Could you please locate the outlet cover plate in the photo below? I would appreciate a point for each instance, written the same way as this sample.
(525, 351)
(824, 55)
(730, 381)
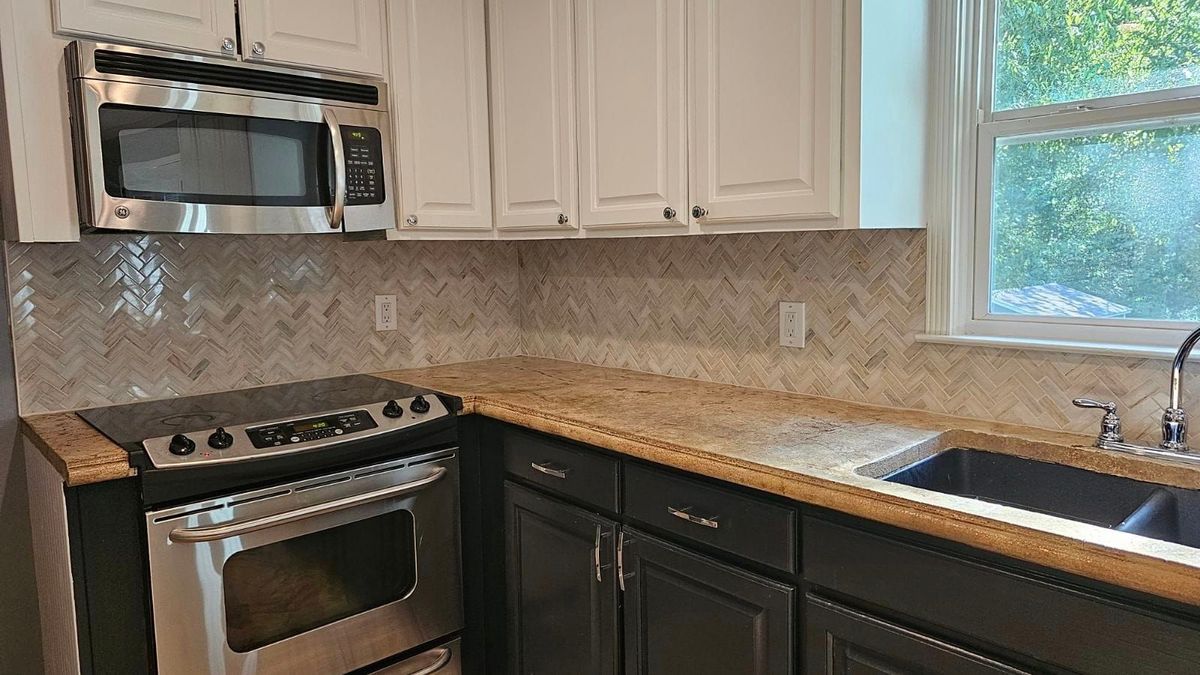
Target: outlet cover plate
(791, 324)
(385, 312)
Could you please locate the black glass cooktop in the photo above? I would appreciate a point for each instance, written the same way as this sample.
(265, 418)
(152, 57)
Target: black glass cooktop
(129, 425)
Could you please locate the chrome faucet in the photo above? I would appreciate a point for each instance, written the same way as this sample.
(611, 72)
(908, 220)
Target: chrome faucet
(1174, 444)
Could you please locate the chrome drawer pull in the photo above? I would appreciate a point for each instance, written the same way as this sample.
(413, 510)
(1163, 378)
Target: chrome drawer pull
(551, 469)
(683, 514)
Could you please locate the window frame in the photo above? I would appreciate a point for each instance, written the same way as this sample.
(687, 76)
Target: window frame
(960, 236)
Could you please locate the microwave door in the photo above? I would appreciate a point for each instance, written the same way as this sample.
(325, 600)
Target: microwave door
(173, 160)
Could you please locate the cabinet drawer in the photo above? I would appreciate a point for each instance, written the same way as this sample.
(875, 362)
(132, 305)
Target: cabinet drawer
(754, 529)
(1058, 624)
(562, 467)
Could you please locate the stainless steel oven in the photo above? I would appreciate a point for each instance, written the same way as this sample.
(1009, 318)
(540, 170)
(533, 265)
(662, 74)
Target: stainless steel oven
(168, 142)
(323, 575)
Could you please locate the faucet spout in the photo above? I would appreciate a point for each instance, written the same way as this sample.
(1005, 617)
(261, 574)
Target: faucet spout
(1174, 420)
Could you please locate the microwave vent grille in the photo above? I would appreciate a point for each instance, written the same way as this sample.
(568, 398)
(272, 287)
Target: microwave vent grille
(175, 70)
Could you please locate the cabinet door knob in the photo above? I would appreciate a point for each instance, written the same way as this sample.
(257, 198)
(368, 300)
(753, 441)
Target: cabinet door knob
(699, 211)
(258, 48)
(563, 219)
(669, 213)
(228, 45)
(411, 220)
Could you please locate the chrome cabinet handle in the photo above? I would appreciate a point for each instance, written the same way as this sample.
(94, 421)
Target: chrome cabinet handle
(337, 212)
(411, 220)
(228, 45)
(621, 560)
(596, 555)
(699, 211)
(669, 213)
(551, 469)
(258, 48)
(191, 535)
(563, 219)
(683, 514)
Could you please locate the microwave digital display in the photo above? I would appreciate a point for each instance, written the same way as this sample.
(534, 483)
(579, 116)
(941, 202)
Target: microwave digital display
(364, 165)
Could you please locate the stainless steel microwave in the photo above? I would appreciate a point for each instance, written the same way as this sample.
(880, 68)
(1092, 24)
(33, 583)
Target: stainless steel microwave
(169, 142)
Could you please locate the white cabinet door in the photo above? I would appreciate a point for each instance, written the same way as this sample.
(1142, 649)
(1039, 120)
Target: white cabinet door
(632, 120)
(766, 109)
(533, 114)
(345, 35)
(439, 89)
(192, 25)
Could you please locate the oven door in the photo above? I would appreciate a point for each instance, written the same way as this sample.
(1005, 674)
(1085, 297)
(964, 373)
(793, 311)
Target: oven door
(323, 575)
(162, 159)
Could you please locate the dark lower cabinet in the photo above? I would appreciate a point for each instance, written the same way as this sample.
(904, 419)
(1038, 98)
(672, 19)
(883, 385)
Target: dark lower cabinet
(685, 613)
(561, 587)
(842, 641)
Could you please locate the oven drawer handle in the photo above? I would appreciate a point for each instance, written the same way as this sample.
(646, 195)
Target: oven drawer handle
(192, 535)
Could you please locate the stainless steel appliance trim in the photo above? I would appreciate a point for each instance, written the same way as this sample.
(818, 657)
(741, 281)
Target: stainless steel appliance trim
(187, 588)
(81, 63)
(337, 212)
(683, 514)
(191, 217)
(236, 528)
(444, 659)
(242, 448)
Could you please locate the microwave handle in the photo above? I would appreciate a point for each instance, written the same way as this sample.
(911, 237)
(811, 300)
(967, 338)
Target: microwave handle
(338, 211)
(236, 528)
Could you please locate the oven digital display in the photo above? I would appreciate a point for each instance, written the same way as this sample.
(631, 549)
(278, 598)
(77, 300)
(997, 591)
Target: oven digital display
(309, 426)
(311, 429)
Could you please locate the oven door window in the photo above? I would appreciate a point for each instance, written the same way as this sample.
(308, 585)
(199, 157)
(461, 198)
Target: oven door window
(205, 158)
(286, 588)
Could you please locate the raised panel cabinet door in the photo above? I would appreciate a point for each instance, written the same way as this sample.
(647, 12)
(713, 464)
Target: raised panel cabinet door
(533, 114)
(346, 35)
(844, 641)
(561, 587)
(207, 26)
(685, 613)
(766, 109)
(632, 93)
(439, 86)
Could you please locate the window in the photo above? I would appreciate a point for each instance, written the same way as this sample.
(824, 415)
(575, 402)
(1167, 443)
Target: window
(1086, 191)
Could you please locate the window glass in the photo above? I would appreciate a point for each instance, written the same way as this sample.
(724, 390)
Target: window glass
(1057, 51)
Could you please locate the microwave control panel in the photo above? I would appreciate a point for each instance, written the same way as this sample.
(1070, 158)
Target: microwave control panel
(364, 165)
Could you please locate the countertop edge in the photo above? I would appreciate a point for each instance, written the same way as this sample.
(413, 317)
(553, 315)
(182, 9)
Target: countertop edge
(93, 458)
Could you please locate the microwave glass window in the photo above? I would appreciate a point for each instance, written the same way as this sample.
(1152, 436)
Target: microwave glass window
(182, 156)
(286, 588)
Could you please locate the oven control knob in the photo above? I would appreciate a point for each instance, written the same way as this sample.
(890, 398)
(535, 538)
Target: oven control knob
(393, 409)
(181, 445)
(419, 405)
(220, 439)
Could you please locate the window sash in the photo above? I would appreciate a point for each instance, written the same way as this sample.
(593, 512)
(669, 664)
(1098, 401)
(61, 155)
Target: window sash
(1168, 107)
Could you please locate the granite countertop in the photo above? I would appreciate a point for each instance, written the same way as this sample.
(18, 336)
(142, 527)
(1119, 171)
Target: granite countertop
(816, 450)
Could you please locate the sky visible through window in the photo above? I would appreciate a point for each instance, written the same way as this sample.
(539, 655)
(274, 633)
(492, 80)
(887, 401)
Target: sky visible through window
(1097, 223)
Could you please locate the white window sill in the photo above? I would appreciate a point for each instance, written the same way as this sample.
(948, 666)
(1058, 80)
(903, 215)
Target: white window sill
(1063, 346)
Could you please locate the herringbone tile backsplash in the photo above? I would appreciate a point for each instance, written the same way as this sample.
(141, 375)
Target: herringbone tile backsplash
(118, 318)
(707, 308)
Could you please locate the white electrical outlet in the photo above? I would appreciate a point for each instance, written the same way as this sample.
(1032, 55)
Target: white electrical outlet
(791, 324)
(385, 312)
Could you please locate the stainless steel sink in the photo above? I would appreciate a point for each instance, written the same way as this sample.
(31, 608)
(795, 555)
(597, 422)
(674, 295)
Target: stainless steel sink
(1151, 510)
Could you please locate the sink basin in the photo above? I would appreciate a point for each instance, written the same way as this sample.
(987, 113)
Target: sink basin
(1151, 510)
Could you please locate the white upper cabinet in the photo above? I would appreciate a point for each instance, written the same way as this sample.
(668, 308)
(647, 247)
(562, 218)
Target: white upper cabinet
(632, 81)
(439, 93)
(765, 103)
(533, 114)
(207, 26)
(346, 35)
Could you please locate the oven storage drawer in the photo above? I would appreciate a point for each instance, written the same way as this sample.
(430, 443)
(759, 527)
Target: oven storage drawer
(562, 467)
(755, 529)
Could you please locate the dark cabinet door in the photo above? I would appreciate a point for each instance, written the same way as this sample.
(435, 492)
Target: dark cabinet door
(685, 613)
(561, 585)
(843, 641)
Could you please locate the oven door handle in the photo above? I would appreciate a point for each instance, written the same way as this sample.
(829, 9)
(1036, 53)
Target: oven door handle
(193, 535)
(337, 212)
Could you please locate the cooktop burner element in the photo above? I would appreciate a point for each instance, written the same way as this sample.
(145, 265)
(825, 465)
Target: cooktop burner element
(265, 421)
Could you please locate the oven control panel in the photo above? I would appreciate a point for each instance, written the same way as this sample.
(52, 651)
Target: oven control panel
(364, 165)
(311, 429)
(261, 439)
